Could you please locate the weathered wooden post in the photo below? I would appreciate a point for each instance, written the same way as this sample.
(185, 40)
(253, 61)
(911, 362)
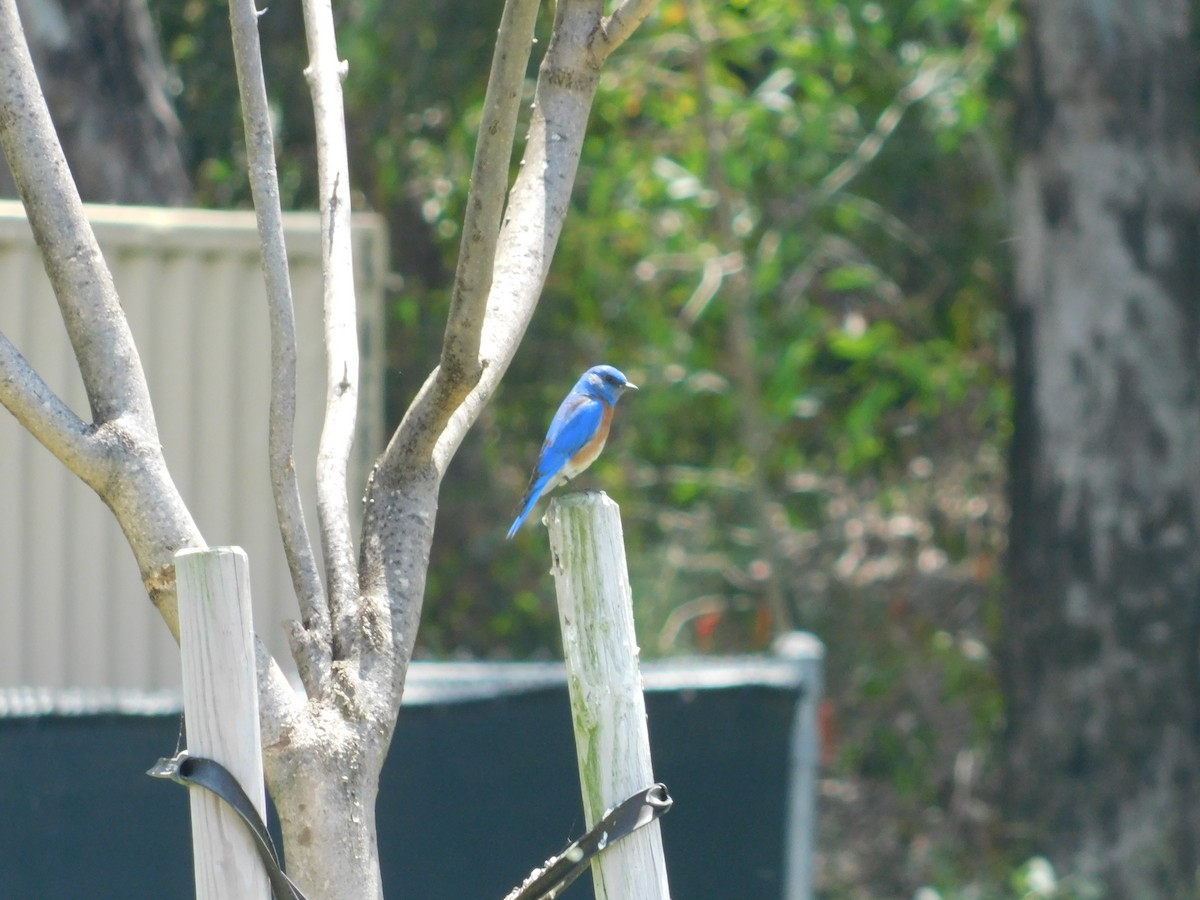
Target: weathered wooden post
(595, 607)
(220, 702)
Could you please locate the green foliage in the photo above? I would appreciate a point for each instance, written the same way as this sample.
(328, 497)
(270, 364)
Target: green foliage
(835, 158)
(198, 52)
(832, 172)
(788, 229)
(836, 162)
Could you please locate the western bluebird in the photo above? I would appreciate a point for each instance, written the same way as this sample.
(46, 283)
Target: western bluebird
(577, 434)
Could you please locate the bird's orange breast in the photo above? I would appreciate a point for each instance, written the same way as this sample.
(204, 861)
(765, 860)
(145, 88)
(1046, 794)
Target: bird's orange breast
(588, 452)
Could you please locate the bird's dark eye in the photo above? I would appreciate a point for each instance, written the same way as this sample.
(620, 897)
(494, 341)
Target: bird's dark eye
(611, 379)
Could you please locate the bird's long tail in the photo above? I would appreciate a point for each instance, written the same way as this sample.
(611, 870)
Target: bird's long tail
(528, 502)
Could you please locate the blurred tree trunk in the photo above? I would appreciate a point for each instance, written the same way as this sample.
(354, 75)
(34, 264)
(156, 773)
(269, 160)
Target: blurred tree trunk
(1103, 613)
(103, 76)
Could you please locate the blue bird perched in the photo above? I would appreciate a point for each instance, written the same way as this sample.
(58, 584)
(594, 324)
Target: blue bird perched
(577, 434)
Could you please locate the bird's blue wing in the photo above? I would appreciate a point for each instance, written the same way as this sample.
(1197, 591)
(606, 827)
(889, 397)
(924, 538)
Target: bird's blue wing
(573, 426)
(575, 423)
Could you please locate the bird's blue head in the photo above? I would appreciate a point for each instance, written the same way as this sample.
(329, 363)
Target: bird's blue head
(604, 383)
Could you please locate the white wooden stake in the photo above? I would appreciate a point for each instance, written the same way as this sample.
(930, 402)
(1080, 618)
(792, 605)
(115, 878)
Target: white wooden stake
(595, 607)
(220, 702)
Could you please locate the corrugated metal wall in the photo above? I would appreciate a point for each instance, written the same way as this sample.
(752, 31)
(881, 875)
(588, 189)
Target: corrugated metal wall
(72, 608)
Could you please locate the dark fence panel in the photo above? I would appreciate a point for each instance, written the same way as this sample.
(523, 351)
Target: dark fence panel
(472, 822)
(78, 816)
(475, 794)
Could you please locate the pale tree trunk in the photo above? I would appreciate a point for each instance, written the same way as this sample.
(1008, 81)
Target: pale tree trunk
(104, 79)
(1103, 611)
(354, 637)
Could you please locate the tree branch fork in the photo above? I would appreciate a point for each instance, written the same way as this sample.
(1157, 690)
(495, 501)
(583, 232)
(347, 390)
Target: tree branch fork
(355, 634)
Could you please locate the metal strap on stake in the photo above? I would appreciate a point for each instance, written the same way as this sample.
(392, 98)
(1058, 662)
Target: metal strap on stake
(557, 873)
(196, 771)
(544, 883)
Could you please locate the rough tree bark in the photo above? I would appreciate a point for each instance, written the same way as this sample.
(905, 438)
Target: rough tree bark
(323, 751)
(103, 76)
(1103, 619)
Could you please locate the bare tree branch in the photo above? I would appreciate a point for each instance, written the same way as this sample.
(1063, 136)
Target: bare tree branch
(624, 21)
(460, 364)
(927, 80)
(323, 756)
(325, 73)
(108, 360)
(132, 479)
(402, 494)
(279, 707)
(310, 645)
(44, 414)
(123, 461)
